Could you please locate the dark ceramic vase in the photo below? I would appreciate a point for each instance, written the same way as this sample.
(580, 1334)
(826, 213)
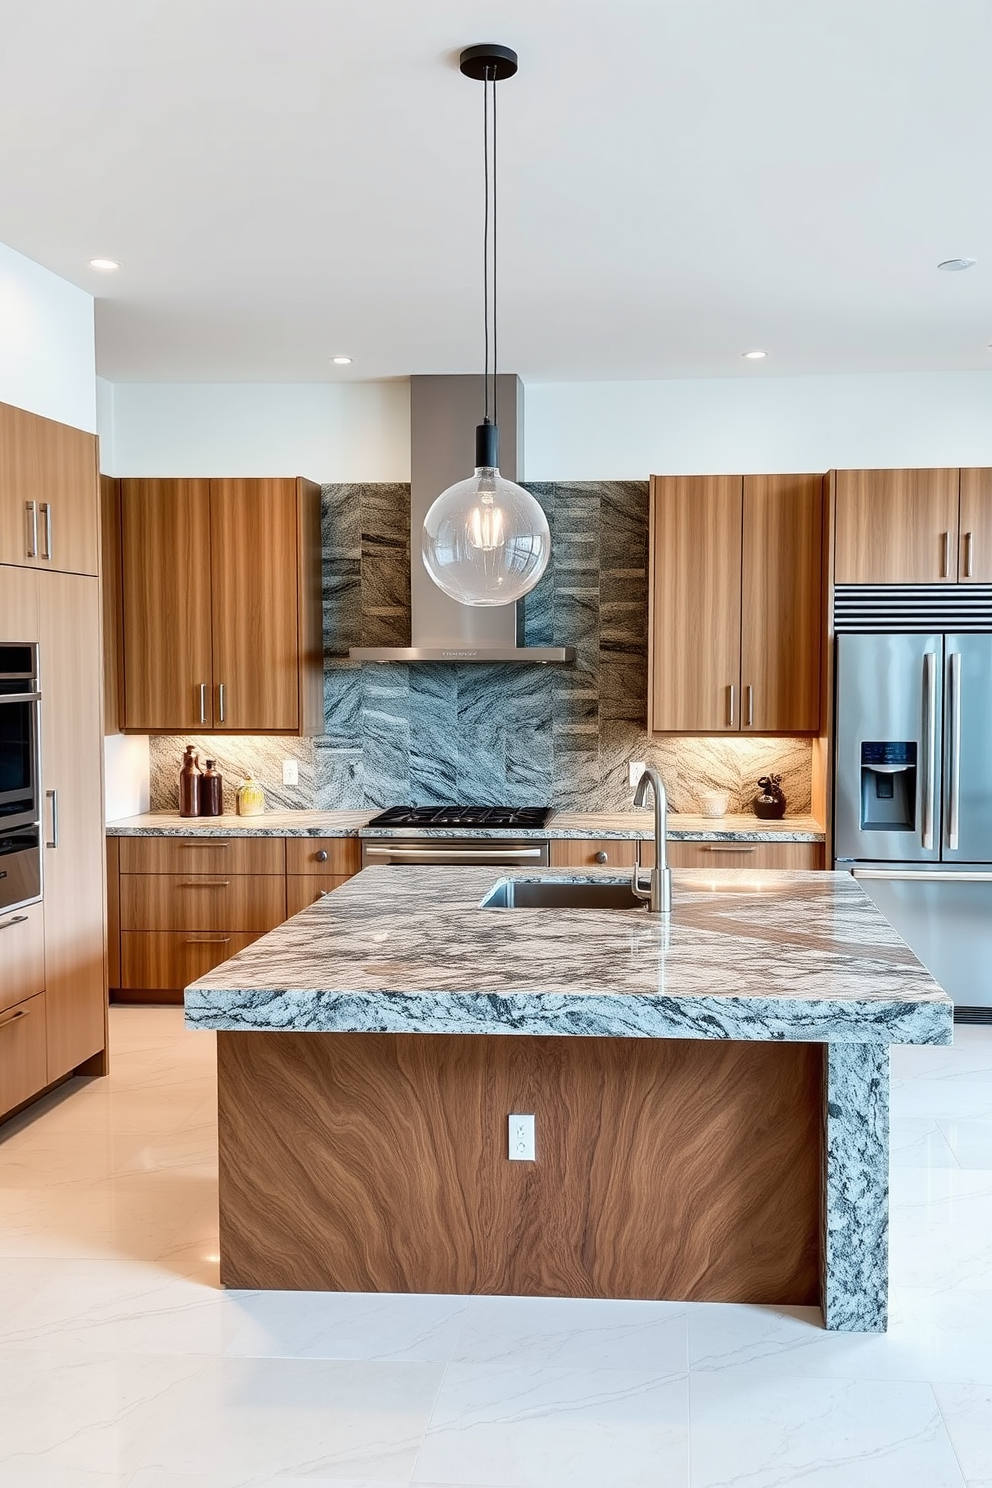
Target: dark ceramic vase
(770, 804)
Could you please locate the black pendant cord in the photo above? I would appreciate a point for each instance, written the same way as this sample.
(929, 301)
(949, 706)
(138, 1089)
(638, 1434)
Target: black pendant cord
(485, 240)
(495, 342)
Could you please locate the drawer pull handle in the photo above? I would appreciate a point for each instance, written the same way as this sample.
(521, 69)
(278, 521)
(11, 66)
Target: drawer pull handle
(196, 846)
(17, 920)
(719, 847)
(13, 1017)
(322, 856)
(207, 940)
(200, 883)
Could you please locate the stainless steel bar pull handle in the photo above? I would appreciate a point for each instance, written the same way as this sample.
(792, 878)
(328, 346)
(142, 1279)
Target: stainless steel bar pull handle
(929, 745)
(220, 701)
(53, 796)
(728, 848)
(17, 920)
(46, 512)
(203, 702)
(946, 553)
(954, 770)
(731, 719)
(31, 522)
(750, 705)
(969, 555)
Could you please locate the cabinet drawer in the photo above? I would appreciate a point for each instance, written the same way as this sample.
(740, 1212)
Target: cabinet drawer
(23, 1052)
(162, 960)
(22, 954)
(738, 854)
(322, 855)
(200, 901)
(216, 855)
(304, 889)
(593, 852)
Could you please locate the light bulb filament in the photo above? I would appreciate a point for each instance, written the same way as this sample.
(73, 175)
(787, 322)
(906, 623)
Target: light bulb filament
(486, 529)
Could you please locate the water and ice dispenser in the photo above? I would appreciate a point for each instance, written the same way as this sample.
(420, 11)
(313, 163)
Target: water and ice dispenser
(888, 786)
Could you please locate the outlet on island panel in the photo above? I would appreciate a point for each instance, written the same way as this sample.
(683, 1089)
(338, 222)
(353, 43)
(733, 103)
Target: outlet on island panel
(521, 1139)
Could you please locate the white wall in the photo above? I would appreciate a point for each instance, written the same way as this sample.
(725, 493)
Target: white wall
(47, 353)
(627, 430)
(327, 431)
(127, 775)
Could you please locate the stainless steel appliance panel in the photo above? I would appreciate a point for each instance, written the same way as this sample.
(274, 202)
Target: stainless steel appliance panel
(888, 747)
(967, 835)
(945, 916)
(20, 867)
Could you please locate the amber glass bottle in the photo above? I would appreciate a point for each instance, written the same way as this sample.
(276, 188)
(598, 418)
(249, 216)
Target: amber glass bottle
(189, 784)
(211, 791)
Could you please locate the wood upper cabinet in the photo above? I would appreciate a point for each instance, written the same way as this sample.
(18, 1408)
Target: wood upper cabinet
(48, 494)
(695, 625)
(781, 598)
(221, 617)
(975, 527)
(736, 599)
(896, 527)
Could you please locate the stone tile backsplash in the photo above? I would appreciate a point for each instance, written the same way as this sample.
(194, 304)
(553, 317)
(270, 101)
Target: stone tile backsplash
(521, 735)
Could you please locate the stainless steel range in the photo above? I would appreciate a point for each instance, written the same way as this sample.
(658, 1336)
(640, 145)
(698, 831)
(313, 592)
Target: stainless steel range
(458, 834)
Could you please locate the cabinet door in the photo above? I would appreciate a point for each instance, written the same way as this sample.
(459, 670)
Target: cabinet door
(254, 549)
(22, 954)
(304, 889)
(20, 487)
(780, 603)
(49, 509)
(896, 526)
(74, 867)
(588, 852)
(695, 631)
(165, 561)
(975, 547)
(707, 855)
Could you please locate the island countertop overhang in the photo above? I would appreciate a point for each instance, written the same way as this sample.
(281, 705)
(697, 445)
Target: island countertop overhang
(793, 956)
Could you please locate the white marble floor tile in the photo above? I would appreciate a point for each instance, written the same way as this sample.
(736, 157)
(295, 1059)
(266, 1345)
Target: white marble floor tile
(342, 1325)
(783, 1432)
(533, 1426)
(970, 1141)
(567, 1332)
(967, 1413)
(918, 1142)
(967, 1097)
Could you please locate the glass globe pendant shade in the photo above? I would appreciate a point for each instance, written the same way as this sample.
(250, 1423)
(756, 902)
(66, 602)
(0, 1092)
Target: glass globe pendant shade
(486, 541)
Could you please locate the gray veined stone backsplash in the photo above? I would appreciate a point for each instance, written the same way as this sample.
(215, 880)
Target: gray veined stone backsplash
(521, 735)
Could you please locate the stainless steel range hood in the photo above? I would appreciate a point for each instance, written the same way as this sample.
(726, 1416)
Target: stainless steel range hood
(443, 414)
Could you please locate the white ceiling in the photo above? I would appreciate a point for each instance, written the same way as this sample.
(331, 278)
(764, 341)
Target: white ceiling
(681, 180)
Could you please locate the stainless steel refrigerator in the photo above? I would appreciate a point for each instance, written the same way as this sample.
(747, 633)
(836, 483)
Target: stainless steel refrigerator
(913, 795)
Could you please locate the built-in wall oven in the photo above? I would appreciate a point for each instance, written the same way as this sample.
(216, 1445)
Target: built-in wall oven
(20, 775)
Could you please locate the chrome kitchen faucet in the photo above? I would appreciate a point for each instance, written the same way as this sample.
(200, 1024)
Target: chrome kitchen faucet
(658, 895)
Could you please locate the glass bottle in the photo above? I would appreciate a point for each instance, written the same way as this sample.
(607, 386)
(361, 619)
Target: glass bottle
(212, 791)
(189, 784)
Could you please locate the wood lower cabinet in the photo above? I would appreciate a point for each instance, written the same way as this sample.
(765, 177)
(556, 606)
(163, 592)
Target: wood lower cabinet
(220, 627)
(735, 631)
(22, 954)
(185, 904)
(48, 494)
(23, 1052)
(593, 852)
(738, 855)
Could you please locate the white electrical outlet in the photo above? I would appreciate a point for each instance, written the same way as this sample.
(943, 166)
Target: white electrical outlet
(521, 1139)
(635, 769)
(290, 772)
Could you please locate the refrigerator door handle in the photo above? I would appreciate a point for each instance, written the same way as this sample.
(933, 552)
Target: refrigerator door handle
(930, 745)
(954, 764)
(924, 875)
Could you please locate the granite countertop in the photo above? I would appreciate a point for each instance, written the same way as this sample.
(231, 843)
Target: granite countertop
(765, 956)
(562, 824)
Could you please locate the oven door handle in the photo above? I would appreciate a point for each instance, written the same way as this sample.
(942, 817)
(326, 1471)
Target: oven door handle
(454, 855)
(20, 697)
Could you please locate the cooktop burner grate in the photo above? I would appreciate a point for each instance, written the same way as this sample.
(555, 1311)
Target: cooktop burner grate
(462, 816)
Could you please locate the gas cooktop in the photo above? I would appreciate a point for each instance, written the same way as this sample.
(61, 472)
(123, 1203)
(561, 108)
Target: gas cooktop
(462, 816)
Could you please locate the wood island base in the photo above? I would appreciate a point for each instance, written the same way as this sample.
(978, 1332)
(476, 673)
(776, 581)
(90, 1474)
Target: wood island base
(687, 1170)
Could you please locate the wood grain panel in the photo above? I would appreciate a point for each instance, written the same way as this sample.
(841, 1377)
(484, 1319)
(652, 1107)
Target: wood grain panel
(342, 855)
(781, 638)
(584, 852)
(378, 1163)
(708, 855)
(896, 526)
(20, 482)
(217, 855)
(75, 869)
(23, 1062)
(256, 611)
(304, 889)
(22, 954)
(70, 531)
(975, 547)
(153, 960)
(110, 570)
(165, 559)
(694, 637)
(199, 901)
(113, 912)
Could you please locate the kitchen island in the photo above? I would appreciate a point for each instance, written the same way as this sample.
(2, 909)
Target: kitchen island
(710, 1091)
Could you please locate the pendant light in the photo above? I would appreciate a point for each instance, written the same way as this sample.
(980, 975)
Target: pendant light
(486, 540)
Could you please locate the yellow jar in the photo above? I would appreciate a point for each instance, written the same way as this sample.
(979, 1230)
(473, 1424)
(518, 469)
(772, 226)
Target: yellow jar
(251, 799)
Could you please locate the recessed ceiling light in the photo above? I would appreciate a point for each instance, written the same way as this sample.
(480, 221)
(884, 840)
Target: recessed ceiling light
(107, 265)
(341, 361)
(753, 356)
(954, 265)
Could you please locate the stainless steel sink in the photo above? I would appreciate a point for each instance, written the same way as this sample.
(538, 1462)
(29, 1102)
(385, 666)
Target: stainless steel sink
(512, 894)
